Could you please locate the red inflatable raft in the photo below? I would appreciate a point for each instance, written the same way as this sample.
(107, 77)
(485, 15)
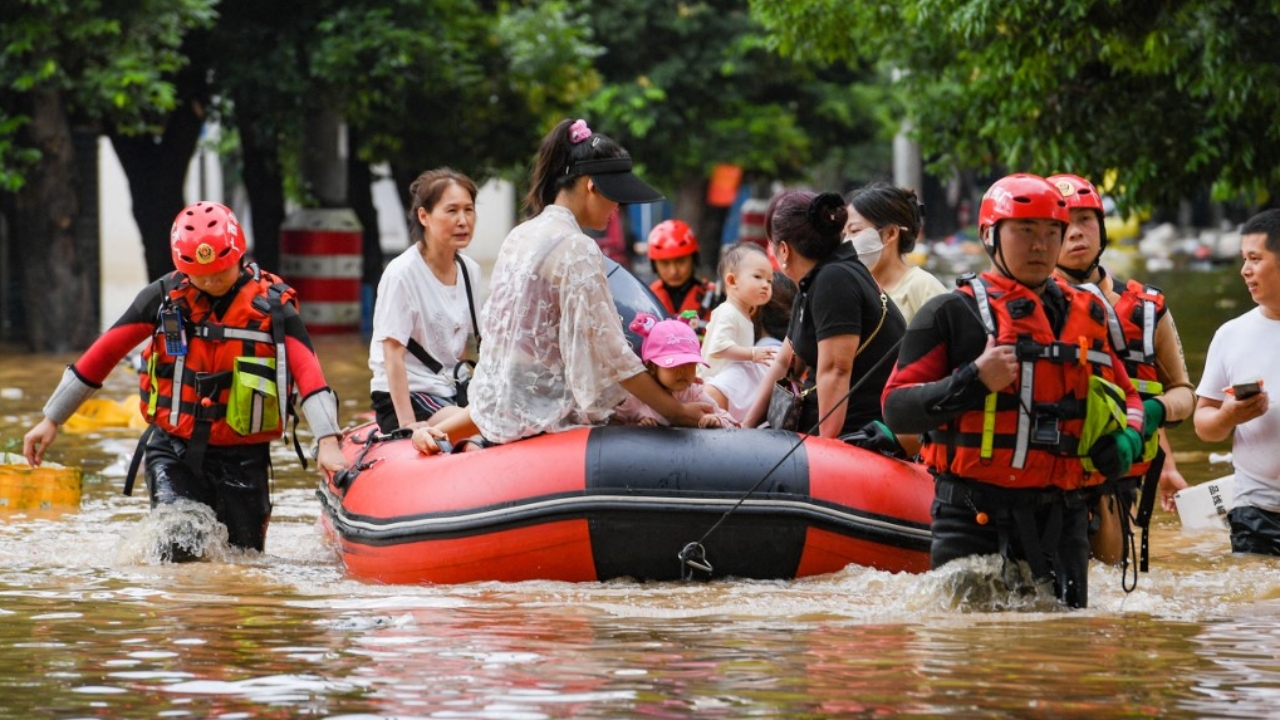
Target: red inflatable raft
(609, 502)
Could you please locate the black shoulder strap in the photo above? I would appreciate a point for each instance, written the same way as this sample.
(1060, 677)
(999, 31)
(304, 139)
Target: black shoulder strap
(471, 301)
(415, 348)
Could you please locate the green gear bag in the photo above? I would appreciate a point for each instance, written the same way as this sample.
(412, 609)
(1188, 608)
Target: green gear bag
(1105, 413)
(253, 406)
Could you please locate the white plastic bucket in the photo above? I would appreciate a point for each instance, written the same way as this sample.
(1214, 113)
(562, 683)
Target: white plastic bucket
(1205, 506)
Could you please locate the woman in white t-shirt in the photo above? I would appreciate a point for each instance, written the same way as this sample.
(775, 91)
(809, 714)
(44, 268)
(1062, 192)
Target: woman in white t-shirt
(424, 322)
(893, 217)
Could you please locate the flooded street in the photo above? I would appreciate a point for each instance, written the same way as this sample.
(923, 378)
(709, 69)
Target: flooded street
(90, 626)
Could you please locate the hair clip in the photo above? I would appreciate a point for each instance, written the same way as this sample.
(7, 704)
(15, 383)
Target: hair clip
(579, 131)
(642, 324)
(821, 210)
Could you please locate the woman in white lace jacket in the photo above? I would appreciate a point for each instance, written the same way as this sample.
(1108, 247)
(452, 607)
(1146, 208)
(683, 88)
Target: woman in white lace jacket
(555, 356)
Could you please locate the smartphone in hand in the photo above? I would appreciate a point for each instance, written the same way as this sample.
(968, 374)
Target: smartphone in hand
(1244, 391)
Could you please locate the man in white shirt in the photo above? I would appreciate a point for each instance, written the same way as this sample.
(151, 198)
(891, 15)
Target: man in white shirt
(1243, 353)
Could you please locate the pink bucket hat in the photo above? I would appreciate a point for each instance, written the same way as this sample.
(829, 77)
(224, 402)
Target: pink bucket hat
(667, 343)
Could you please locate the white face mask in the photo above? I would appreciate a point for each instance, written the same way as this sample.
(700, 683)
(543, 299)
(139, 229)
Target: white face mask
(867, 243)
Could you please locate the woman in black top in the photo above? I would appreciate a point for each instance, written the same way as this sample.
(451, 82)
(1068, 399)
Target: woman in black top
(838, 310)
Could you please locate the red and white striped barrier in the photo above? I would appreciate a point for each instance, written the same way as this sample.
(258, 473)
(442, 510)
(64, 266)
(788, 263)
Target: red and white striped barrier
(320, 258)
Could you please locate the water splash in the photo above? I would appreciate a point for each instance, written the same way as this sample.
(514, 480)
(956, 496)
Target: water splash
(183, 530)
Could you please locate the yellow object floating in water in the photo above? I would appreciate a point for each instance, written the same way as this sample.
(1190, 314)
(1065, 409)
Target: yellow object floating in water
(51, 485)
(101, 413)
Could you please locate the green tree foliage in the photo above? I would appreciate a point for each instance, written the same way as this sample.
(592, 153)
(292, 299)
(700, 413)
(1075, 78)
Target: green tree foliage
(105, 60)
(421, 83)
(1174, 96)
(691, 84)
(449, 82)
(90, 65)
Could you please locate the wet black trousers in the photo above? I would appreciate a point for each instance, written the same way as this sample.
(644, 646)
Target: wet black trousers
(1254, 530)
(1048, 529)
(235, 483)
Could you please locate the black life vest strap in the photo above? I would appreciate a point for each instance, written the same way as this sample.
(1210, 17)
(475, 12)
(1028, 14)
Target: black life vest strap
(1146, 504)
(415, 348)
(1066, 446)
(283, 383)
(136, 461)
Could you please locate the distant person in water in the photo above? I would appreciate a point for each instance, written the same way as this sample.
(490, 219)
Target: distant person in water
(1235, 392)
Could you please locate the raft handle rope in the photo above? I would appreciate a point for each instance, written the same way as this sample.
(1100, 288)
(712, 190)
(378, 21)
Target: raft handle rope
(344, 478)
(694, 555)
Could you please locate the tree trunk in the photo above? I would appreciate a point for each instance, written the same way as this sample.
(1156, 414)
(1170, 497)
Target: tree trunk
(264, 182)
(13, 326)
(360, 197)
(57, 268)
(157, 170)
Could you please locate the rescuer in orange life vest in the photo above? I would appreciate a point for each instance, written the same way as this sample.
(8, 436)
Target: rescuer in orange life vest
(673, 254)
(1152, 354)
(226, 345)
(998, 374)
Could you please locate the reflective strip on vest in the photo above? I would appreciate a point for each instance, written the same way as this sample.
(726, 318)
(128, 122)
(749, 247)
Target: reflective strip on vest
(153, 397)
(1148, 387)
(984, 305)
(282, 382)
(1113, 323)
(1147, 353)
(220, 332)
(1026, 399)
(988, 426)
(175, 402)
(1148, 328)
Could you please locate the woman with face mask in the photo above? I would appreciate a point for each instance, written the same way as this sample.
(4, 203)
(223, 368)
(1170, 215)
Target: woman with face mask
(884, 222)
(844, 331)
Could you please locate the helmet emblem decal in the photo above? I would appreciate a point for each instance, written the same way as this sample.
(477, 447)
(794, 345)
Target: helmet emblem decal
(204, 254)
(1066, 188)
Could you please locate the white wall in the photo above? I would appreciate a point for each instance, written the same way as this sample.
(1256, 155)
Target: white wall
(124, 270)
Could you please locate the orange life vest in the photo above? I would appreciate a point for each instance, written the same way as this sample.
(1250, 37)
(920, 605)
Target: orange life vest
(252, 327)
(696, 299)
(1138, 309)
(1027, 435)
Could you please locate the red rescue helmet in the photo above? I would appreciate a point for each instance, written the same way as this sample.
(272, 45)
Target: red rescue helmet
(1080, 193)
(206, 238)
(1022, 195)
(671, 239)
(1077, 192)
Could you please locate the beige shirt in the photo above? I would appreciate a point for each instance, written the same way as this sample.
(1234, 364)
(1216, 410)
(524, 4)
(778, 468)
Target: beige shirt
(913, 289)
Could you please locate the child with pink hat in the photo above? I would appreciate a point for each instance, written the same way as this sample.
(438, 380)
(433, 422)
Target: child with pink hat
(672, 354)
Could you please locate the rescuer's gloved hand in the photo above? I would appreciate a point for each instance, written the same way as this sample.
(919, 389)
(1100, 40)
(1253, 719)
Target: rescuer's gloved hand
(1113, 453)
(1153, 417)
(877, 437)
